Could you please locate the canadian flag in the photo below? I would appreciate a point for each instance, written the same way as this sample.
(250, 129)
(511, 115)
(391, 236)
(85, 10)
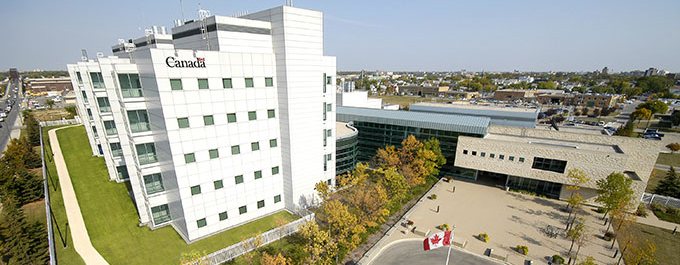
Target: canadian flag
(438, 240)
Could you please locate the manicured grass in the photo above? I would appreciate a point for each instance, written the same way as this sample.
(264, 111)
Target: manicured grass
(111, 217)
(667, 244)
(669, 159)
(66, 254)
(654, 179)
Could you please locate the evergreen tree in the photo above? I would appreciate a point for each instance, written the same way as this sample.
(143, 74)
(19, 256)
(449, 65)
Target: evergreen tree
(670, 185)
(14, 245)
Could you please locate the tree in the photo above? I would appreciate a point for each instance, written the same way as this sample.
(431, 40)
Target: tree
(675, 118)
(641, 114)
(642, 252)
(395, 184)
(670, 185)
(277, 259)
(343, 226)
(72, 110)
(438, 160)
(654, 83)
(22, 242)
(546, 85)
(323, 190)
(281, 226)
(575, 233)
(674, 147)
(626, 129)
(250, 246)
(613, 190)
(320, 248)
(656, 106)
(194, 257)
(576, 178)
(49, 103)
(589, 261)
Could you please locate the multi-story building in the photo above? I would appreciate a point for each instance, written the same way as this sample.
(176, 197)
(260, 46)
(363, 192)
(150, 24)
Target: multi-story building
(595, 100)
(48, 84)
(347, 138)
(218, 123)
(513, 94)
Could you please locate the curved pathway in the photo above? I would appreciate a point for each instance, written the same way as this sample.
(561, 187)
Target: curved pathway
(81, 240)
(411, 252)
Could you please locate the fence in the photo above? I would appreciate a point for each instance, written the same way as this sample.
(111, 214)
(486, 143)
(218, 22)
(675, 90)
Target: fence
(48, 209)
(59, 122)
(233, 251)
(649, 198)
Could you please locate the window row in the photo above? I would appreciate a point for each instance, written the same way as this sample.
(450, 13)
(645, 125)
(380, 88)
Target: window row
(241, 210)
(235, 150)
(177, 84)
(492, 155)
(231, 118)
(218, 184)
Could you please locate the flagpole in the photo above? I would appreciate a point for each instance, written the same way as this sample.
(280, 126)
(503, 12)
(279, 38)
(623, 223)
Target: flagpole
(450, 243)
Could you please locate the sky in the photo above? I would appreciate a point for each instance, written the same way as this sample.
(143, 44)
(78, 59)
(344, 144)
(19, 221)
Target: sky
(390, 35)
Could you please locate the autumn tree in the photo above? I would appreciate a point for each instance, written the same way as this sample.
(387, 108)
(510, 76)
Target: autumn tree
(575, 233)
(641, 252)
(281, 226)
(588, 261)
(249, 246)
(343, 226)
(576, 178)
(320, 248)
(641, 114)
(674, 147)
(194, 257)
(614, 190)
(394, 183)
(581, 242)
(277, 259)
(414, 160)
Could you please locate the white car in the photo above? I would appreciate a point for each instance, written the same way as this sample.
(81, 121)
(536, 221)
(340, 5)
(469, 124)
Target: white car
(3, 115)
(2, 119)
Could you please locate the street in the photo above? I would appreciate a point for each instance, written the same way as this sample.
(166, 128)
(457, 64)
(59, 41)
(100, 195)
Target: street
(9, 122)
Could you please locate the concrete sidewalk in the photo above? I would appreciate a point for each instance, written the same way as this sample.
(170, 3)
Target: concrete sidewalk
(81, 240)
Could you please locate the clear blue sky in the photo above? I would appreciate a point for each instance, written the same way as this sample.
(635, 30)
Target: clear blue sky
(434, 35)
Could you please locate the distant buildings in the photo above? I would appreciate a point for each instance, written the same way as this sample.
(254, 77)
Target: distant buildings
(499, 115)
(422, 90)
(605, 70)
(13, 74)
(557, 97)
(651, 71)
(513, 94)
(37, 85)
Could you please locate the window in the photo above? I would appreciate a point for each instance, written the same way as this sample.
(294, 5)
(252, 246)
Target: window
(329, 107)
(196, 190)
(122, 172)
(249, 82)
(324, 83)
(492, 155)
(223, 216)
(153, 183)
(208, 120)
(235, 150)
(275, 170)
(161, 214)
(139, 121)
(521, 159)
(260, 204)
(116, 150)
(146, 153)
(238, 179)
(258, 174)
(324, 111)
(277, 198)
(329, 80)
(329, 133)
(474, 153)
(110, 127)
(511, 158)
(272, 143)
(482, 154)
(130, 86)
(176, 84)
(242, 209)
(549, 164)
(97, 80)
(203, 84)
(189, 158)
(94, 130)
(183, 122)
(268, 82)
(255, 146)
(80, 78)
(201, 223)
(226, 83)
(324, 137)
(104, 105)
(214, 153)
(252, 115)
(218, 184)
(89, 114)
(465, 152)
(501, 157)
(231, 117)
(84, 96)
(270, 113)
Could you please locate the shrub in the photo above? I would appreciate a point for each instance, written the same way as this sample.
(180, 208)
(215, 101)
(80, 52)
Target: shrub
(658, 207)
(445, 227)
(641, 211)
(433, 196)
(483, 237)
(523, 249)
(672, 210)
(609, 236)
(557, 259)
(600, 210)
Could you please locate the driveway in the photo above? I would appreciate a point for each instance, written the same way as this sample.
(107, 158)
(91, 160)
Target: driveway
(394, 254)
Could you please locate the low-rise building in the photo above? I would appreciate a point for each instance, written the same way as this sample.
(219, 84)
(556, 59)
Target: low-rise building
(37, 85)
(346, 140)
(595, 100)
(422, 90)
(499, 115)
(513, 94)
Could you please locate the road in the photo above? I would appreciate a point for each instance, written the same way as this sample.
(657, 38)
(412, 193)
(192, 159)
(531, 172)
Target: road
(411, 252)
(9, 123)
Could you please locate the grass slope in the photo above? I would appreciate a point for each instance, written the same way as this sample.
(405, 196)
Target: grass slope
(669, 159)
(668, 245)
(111, 217)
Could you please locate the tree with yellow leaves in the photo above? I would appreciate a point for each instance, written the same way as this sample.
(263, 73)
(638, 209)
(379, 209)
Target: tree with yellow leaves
(320, 248)
(194, 257)
(394, 183)
(277, 259)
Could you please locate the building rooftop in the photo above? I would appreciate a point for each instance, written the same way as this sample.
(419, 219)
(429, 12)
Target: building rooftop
(446, 122)
(548, 142)
(476, 107)
(342, 129)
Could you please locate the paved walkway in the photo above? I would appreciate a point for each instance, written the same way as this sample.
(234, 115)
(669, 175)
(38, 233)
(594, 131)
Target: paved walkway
(652, 220)
(509, 218)
(81, 240)
(392, 255)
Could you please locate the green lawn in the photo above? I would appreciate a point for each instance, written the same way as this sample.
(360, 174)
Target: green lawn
(654, 179)
(35, 211)
(667, 244)
(669, 159)
(111, 217)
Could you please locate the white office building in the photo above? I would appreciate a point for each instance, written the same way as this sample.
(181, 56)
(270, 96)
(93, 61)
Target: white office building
(217, 123)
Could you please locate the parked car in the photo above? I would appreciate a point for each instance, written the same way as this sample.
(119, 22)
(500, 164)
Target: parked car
(601, 123)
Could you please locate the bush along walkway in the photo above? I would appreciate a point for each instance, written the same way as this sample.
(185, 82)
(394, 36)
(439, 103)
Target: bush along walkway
(81, 240)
